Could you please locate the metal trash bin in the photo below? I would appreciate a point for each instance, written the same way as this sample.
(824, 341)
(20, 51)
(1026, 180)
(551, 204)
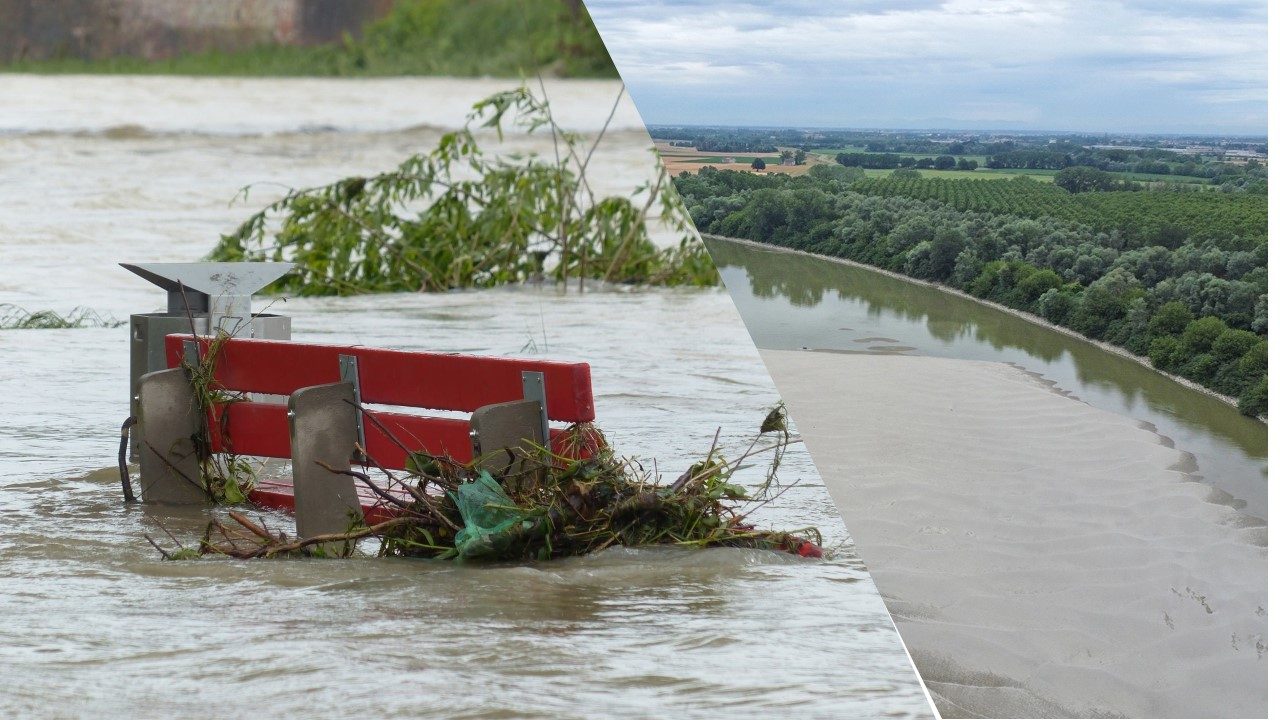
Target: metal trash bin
(210, 296)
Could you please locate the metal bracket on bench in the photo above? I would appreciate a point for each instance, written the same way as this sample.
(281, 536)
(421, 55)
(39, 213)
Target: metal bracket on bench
(535, 388)
(349, 371)
(509, 425)
(500, 427)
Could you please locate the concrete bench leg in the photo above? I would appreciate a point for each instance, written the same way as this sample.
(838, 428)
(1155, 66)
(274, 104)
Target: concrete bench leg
(502, 426)
(322, 428)
(168, 420)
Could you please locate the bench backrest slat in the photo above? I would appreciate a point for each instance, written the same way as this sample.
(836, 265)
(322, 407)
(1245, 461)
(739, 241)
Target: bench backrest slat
(436, 381)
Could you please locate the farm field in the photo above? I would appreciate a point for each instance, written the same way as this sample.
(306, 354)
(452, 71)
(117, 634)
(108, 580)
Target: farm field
(983, 172)
(737, 159)
(1136, 176)
(1136, 213)
(1033, 174)
(1156, 177)
(682, 158)
(678, 159)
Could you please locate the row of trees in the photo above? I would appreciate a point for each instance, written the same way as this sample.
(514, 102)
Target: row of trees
(799, 156)
(888, 161)
(1031, 160)
(1196, 309)
(1248, 177)
(1082, 178)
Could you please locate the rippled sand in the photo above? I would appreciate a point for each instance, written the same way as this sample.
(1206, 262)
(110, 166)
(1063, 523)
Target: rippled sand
(1040, 556)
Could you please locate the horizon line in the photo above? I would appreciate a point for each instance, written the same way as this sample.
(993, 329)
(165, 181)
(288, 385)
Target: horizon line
(1018, 131)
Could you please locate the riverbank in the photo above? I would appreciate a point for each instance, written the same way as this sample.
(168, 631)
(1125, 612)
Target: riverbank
(1040, 556)
(793, 301)
(1021, 314)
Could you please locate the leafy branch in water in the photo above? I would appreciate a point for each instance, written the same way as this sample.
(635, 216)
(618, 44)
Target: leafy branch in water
(460, 217)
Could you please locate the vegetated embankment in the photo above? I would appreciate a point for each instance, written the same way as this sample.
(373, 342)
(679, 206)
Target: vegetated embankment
(1179, 278)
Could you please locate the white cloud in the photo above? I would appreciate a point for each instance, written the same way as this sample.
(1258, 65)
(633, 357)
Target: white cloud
(957, 51)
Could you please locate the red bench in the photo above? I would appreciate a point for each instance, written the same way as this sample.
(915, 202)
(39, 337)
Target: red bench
(328, 386)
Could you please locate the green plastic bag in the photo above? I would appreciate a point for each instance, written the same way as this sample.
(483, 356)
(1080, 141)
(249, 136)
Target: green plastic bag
(487, 516)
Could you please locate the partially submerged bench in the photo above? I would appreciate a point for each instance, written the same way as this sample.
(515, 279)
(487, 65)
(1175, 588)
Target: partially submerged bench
(511, 401)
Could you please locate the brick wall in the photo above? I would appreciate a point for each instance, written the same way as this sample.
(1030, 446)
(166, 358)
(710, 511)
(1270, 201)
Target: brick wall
(94, 29)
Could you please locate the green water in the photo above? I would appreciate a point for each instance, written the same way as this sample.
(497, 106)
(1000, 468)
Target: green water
(792, 301)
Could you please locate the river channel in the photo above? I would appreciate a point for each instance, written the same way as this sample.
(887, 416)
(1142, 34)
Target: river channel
(793, 301)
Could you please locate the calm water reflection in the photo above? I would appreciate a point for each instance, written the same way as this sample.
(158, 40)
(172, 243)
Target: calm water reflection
(792, 301)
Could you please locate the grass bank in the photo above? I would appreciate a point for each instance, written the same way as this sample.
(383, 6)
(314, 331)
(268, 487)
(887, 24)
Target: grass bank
(499, 38)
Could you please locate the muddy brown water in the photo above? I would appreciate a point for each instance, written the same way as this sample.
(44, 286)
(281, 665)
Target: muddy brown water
(791, 301)
(94, 171)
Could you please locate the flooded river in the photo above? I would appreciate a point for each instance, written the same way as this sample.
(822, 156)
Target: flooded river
(791, 301)
(95, 171)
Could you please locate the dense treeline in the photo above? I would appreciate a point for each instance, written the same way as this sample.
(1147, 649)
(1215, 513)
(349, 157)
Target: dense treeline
(889, 161)
(1194, 300)
(1249, 177)
(1031, 160)
(878, 161)
(720, 140)
(1234, 221)
(1082, 178)
(715, 144)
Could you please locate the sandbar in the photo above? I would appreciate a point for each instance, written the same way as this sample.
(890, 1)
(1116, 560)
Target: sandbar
(1040, 556)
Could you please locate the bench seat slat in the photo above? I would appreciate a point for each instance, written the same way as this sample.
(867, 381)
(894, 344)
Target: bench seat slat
(437, 381)
(278, 495)
(262, 430)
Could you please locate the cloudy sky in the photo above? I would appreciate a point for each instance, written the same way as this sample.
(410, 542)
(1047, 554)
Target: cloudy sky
(1193, 66)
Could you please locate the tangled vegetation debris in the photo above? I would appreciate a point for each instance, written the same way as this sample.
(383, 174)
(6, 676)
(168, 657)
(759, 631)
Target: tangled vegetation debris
(13, 317)
(225, 477)
(543, 506)
(462, 217)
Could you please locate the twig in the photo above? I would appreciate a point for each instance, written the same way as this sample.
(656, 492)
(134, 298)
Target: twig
(124, 465)
(766, 501)
(267, 551)
(708, 472)
(163, 553)
(368, 482)
(171, 537)
(248, 524)
(686, 478)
